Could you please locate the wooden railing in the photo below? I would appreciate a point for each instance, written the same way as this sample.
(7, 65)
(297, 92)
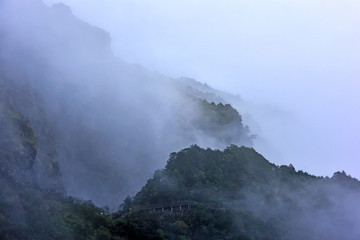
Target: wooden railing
(179, 206)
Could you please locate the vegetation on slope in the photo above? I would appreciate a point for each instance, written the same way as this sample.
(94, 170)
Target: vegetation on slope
(94, 123)
(261, 200)
(27, 143)
(27, 212)
(224, 122)
(238, 195)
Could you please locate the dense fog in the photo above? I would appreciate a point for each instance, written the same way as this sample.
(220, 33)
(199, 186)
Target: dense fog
(297, 60)
(78, 119)
(114, 123)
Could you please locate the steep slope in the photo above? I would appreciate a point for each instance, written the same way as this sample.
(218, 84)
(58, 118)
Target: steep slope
(230, 194)
(114, 123)
(73, 114)
(27, 142)
(260, 200)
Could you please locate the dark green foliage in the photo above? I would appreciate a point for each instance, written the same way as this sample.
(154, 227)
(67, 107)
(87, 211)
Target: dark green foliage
(28, 209)
(345, 180)
(27, 142)
(239, 195)
(261, 200)
(222, 121)
(213, 178)
(27, 212)
(18, 147)
(198, 224)
(198, 174)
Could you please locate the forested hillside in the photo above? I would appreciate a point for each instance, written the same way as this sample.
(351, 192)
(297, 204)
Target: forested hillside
(98, 121)
(80, 129)
(238, 194)
(230, 194)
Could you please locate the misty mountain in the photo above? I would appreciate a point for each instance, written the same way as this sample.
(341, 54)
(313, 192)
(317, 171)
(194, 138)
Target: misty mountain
(81, 128)
(230, 194)
(102, 125)
(241, 195)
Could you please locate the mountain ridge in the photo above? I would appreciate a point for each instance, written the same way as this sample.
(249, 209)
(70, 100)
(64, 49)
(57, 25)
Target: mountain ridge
(101, 111)
(77, 121)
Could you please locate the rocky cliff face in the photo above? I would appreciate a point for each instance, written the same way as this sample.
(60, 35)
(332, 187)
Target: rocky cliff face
(28, 149)
(104, 124)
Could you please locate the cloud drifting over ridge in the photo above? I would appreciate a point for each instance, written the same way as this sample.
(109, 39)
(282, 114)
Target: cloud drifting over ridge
(300, 56)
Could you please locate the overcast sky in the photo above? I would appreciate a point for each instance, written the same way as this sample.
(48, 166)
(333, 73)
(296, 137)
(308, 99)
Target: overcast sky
(302, 56)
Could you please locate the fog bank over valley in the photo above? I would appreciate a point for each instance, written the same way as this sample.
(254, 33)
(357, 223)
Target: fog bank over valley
(296, 62)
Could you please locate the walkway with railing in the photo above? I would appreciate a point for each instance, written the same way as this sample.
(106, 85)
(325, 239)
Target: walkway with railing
(179, 206)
